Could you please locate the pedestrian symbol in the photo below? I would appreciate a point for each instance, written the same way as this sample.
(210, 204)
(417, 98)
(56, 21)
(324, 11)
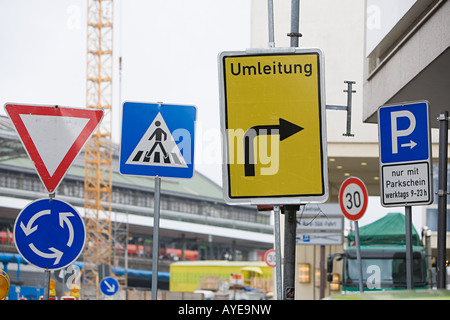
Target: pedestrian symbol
(157, 147)
(157, 140)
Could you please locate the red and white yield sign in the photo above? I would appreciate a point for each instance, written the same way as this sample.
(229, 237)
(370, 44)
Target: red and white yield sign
(53, 136)
(353, 198)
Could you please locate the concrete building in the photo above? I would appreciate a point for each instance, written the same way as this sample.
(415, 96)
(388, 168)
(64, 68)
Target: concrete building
(402, 55)
(407, 58)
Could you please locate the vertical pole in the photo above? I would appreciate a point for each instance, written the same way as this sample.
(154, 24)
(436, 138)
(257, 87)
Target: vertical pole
(358, 257)
(409, 249)
(290, 211)
(126, 252)
(276, 212)
(290, 226)
(322, 272)
(156, 239)
(350, 92)
(271, 23)
(47, 284)
(442, 200)
(295, 9)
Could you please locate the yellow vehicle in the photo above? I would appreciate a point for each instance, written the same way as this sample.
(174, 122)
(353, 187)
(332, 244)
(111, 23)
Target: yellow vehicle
(188, 276)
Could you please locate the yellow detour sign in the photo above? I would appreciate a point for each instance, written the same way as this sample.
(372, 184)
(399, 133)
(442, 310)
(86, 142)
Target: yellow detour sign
(273, 122)
(4, 284)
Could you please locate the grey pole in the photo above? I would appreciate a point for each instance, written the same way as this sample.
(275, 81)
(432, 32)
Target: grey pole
(290, 211)
(290, 226)
(358, 257)
(276, 212)
(294, 34)
(276, 208)
(155, 256)
(442, 200)
(47, 284)
(349, 91)
(409, 250)
(271, 23)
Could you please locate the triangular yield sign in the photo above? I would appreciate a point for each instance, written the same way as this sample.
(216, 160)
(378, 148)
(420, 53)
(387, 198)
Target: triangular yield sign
(53, 136)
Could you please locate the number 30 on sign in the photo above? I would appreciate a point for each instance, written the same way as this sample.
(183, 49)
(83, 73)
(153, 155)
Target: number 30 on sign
(353, 198)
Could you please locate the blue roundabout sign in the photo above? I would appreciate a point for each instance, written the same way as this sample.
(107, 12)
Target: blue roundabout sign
(49, 234)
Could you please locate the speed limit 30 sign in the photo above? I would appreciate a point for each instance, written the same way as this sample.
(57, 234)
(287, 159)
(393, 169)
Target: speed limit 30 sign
(353, 198)
(270, 258)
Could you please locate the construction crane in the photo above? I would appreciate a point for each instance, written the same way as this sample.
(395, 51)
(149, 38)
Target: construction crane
(98, 150)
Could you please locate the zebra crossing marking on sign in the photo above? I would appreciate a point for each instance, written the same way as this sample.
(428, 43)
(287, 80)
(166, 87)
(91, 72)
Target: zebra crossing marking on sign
(157, 147)
(157, 140)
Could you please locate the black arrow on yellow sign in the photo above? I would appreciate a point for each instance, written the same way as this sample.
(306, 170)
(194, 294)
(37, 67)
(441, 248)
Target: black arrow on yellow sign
(285, 129)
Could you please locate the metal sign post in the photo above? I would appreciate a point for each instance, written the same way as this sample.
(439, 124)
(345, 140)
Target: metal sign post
(442, 200)
(157, 141)
(353, 200)
(47, 284)
(409, 248)
(290, 226)
(276, 212)
(358, 257)
(155, 254)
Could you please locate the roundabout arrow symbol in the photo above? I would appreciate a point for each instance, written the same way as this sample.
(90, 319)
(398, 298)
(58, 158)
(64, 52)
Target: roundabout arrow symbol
(56, 253)
(64, 217)
(29, 229)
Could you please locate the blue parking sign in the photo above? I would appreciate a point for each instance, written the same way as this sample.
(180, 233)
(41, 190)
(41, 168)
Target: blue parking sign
(404, 132)
(405, 154)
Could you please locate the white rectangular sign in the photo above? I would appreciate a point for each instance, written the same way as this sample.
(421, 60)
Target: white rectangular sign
(319, 238)
(319, 224)
(406, 183)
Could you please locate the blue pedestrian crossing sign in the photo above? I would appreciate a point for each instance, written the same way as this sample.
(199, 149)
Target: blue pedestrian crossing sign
(109, 286)
(49, 233)
(157, 140)
(405, 154)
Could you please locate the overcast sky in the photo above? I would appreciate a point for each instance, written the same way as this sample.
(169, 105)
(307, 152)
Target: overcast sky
(169, 53)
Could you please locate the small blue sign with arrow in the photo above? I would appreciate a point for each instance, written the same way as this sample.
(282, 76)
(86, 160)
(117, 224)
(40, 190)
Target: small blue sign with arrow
(109, 286)
(49, 234)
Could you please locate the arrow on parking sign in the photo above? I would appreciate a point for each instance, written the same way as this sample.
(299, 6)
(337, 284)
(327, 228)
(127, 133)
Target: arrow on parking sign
(411, 144)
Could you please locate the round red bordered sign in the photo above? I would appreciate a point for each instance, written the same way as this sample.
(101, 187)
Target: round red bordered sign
(353, 198)
(270, 258)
